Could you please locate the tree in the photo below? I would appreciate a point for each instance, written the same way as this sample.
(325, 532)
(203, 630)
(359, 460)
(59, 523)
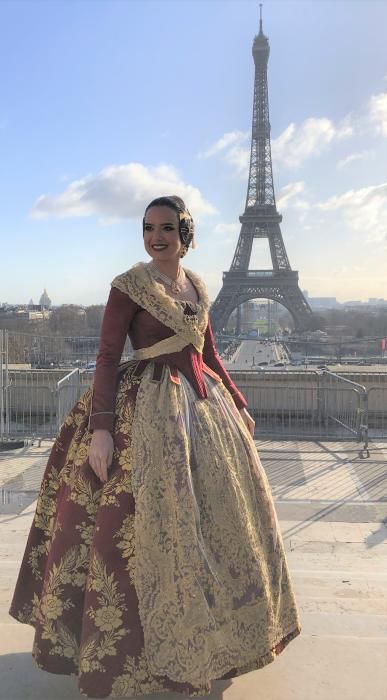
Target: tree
(68, 320)
(94, 315)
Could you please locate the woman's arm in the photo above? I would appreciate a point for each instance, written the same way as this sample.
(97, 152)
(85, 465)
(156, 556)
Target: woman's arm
(117, 318)
(212, 359)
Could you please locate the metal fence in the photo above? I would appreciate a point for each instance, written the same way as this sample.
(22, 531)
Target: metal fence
(309, 404)
(34, 401)
(307, 412)
(326, 407)
(313, 404)
(376, 418)
(69, 389)
(35, 404)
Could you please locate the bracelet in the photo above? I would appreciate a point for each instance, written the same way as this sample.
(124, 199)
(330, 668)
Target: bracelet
(98, 413)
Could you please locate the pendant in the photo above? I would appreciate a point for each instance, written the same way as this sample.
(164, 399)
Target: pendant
(175, 287)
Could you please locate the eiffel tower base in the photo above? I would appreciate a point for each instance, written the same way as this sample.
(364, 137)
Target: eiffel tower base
(281, 286)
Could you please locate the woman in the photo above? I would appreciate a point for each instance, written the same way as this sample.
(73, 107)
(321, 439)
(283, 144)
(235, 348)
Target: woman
(155, 560)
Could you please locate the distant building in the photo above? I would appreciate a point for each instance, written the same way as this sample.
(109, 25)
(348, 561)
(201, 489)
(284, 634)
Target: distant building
(38, 315)
(45, 301)
(324, 303)
(373, 301)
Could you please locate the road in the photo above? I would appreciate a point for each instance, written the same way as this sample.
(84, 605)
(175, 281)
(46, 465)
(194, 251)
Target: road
(252, 354)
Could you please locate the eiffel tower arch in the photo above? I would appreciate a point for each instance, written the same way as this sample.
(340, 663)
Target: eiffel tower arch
(260, 220)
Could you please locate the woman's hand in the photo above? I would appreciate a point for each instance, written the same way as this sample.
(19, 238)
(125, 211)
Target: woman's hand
(249, 422)
(101, 453)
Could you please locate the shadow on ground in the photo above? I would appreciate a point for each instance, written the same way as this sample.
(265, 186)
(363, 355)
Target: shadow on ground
(22, 680)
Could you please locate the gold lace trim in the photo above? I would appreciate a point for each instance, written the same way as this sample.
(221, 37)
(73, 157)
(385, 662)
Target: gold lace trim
(143, 289)
(211, 575)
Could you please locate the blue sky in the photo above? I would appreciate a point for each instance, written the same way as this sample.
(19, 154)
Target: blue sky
(106, 104)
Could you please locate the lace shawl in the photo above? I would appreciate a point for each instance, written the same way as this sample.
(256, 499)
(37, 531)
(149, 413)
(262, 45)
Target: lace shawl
(190, 328)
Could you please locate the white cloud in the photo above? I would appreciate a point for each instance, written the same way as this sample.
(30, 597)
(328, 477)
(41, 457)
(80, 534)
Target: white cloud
(291, 148)
(228, 233)
(235, 147)
(364, 210)
(289, 192)
(378, 112)
(225, 229)
(298, 143)
(120, 192)
(239, 157)
(227, 140)
(349, 159)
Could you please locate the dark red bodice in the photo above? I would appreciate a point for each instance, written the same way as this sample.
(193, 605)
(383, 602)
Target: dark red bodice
(124, 317)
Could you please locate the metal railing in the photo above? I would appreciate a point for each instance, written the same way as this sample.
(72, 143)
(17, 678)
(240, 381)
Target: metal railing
(344, 404)
(34, 401)
(29, 411)
(322, 405)
(307, 404)
(310, 405)
(68, 391)
(3, 380)
(376, 417)
(32, 409)
(67, 395)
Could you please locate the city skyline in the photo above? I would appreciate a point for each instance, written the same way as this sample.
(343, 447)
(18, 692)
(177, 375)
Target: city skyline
(317, 302)
(88, 138)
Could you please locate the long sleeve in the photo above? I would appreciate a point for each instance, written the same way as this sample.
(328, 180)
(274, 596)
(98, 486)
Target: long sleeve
(117, 318)
(212, 359)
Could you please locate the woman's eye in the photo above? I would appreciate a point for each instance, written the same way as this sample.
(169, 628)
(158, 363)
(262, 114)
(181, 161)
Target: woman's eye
(148, 227)
(168, 228)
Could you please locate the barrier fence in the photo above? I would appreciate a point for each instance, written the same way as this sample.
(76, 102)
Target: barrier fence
(310, 404)
(307, 412)
(69, 389)
(376, 417)
(314, 404)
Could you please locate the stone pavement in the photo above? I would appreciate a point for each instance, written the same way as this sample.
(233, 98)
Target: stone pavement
(332, 508)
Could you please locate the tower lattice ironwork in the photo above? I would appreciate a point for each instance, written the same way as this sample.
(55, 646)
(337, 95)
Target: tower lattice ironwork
(260, 220)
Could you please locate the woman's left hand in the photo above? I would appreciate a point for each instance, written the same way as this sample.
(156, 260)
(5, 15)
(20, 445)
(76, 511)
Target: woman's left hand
(249, 422)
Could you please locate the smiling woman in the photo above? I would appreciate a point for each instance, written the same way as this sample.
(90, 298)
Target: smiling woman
(164, 230)
(155, 560)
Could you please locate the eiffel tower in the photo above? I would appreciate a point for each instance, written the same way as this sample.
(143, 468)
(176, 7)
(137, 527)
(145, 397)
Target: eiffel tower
(260, 220)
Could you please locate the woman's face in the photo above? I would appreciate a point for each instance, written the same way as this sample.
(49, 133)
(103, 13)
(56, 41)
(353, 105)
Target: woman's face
(161, 234)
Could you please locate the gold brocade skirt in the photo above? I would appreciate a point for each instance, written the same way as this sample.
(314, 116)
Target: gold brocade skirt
(173, 572)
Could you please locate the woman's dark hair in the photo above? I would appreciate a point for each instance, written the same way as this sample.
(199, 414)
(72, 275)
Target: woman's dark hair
(186, 224)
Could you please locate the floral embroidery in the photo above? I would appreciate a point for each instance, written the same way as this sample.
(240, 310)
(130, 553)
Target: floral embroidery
(182, 541)
(125, 537)
(107, 617)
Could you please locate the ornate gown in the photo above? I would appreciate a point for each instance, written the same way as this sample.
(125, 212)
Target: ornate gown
(172, 573)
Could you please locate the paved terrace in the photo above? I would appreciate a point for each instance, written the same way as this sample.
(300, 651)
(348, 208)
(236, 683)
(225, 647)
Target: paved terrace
(332, 507)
